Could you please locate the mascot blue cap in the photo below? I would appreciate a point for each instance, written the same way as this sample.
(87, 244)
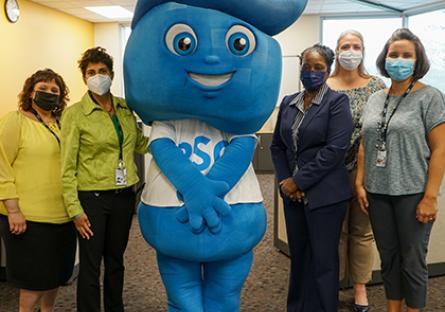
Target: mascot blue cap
(208, 60)
(269, 16)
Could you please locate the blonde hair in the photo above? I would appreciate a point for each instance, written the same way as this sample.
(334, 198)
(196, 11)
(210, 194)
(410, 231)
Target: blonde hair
(361, 68)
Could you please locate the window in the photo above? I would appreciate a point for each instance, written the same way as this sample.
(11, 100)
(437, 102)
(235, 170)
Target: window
(430, 28)
(375, 31)
(125, 34)
(125, 31)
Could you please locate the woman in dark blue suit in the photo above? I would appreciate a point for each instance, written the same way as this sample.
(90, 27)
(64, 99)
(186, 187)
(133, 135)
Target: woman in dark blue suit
(311, 137)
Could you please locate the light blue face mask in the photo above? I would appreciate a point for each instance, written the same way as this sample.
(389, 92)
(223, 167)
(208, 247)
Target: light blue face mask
(399, 69)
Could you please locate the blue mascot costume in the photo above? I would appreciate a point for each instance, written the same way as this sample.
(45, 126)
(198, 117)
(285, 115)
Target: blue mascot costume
(205, 74)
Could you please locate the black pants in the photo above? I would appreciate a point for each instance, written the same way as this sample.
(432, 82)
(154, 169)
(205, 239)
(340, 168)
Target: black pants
(313, 237)
(402, 242)
(110, 214)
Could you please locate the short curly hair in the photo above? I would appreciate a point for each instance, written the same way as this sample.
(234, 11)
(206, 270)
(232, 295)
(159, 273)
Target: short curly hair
(95, 55)
(47, 75)
(324, 51)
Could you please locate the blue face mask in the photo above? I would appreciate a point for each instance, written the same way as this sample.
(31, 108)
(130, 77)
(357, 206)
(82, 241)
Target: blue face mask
(399, 69)
(312, 80)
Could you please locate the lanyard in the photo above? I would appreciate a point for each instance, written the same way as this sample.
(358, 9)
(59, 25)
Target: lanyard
(382, 126)
(116, 124)
(46, 126)
(120, 134)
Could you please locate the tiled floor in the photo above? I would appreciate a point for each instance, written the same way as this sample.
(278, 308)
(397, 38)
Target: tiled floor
(264, 291)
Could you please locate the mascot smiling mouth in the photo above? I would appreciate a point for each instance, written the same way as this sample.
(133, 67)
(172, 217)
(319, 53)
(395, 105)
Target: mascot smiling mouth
(210, 81)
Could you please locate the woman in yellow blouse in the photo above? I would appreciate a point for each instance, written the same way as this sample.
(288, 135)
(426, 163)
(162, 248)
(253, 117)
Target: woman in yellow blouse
(99, 139)
(39, 236)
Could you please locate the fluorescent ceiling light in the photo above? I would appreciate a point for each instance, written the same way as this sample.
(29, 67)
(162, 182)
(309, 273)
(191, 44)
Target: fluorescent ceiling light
(111, 12)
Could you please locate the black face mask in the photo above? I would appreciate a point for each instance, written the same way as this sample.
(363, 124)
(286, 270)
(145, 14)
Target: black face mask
(47, 101)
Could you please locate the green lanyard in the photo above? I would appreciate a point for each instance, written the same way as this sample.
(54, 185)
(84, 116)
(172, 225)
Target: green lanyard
(120, 134)
(116, 124)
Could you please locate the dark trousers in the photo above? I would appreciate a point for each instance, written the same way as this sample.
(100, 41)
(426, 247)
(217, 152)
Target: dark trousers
(110, 214)
(313, 237)
(402, 242)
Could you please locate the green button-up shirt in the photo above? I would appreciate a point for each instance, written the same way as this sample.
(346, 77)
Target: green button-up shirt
(90, 149)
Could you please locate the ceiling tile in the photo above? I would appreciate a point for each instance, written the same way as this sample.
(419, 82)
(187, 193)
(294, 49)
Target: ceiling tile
(331, 7)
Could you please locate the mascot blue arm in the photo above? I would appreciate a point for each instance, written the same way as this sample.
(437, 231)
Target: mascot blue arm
(235, 161)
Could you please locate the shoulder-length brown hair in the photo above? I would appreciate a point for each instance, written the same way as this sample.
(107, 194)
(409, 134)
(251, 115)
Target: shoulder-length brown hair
(422, 65)
(361, 68)
(25, 100)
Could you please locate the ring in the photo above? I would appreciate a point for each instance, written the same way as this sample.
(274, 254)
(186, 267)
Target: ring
(431, 219)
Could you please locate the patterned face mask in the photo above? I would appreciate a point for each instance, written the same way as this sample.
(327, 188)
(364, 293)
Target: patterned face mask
(350, 60)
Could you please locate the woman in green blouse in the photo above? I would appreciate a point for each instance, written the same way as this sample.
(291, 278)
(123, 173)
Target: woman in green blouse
(99, 140)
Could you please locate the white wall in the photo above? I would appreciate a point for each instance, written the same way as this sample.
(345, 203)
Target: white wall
(302, 34)
(109, 36)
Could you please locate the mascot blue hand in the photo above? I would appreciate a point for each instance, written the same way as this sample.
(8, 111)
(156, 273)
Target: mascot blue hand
(204, 203)
(201, 196)
(229, 168)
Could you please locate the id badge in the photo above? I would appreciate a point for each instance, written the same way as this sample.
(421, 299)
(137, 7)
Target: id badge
(121, 174)
(382, 156)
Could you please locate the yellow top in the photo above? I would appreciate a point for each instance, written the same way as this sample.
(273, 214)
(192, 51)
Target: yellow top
(30, 169)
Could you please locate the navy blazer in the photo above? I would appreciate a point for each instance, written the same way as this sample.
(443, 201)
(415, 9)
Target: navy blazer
(323, 139)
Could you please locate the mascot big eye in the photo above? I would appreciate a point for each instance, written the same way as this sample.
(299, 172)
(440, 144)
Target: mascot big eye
(205, 74)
